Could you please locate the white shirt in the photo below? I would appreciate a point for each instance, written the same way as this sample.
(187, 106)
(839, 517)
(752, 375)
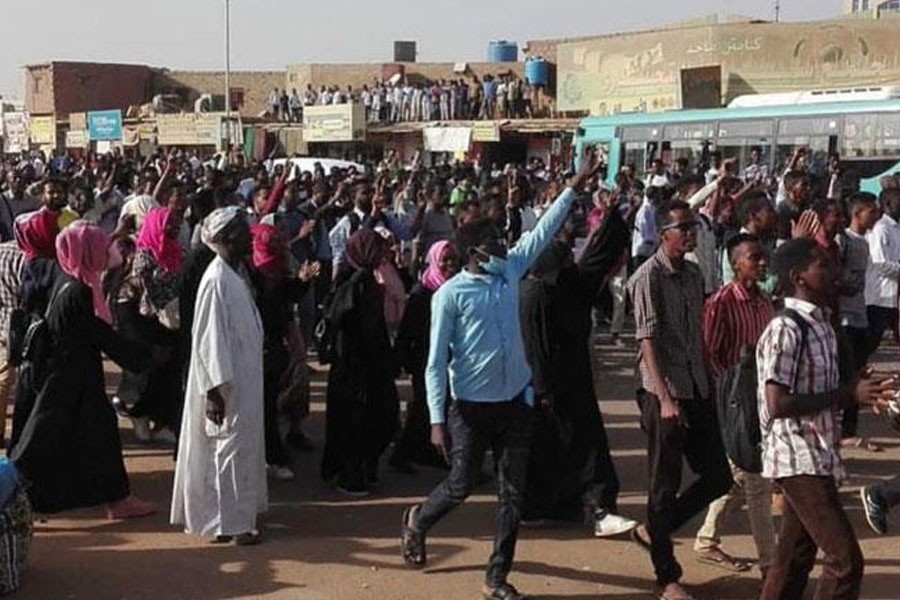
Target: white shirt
(657, 180)
(884, 272)
(645, 238)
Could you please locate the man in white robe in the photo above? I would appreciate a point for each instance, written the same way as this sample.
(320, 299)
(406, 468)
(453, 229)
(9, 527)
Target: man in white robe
(220, 477)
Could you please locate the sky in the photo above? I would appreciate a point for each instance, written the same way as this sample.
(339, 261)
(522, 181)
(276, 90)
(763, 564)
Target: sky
(270, 34)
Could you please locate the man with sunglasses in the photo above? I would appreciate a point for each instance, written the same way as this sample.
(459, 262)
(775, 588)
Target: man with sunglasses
(476, 347)
(677, 413)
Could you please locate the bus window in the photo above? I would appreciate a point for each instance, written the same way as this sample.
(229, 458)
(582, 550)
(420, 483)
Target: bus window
(889, 124)
(860, 136)
(817, 152)
(741, 148)
(635, 153)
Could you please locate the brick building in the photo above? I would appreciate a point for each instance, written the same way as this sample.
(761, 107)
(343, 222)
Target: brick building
(61, 88)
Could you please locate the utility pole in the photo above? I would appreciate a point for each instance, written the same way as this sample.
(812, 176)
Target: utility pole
(228, 70)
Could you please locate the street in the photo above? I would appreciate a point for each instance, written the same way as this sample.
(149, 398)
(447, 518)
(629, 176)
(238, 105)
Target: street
(319, 545)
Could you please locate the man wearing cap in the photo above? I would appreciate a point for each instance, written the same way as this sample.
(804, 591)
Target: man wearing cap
(220, 477)
(677, 413)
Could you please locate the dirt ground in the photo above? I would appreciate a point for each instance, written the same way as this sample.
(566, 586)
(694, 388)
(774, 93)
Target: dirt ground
(319, 545)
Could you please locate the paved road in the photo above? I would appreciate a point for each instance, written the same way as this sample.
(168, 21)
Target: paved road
(322, 546)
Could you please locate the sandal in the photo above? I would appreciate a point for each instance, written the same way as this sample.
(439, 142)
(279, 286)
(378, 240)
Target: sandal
(131, 507)
(412, 542)
(719, 558)
(674, 591)
(251, 538)
(503, 591)
(641, 536)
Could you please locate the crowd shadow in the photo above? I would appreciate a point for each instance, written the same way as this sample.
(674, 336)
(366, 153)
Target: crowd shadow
(310, 524)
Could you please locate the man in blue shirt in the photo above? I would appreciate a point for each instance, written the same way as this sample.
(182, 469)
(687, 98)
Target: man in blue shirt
(476, 346)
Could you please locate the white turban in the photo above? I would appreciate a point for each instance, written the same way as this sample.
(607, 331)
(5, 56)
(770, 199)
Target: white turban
(215, 223)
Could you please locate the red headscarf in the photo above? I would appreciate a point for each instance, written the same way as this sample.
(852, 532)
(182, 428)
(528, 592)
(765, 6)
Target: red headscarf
(155, 239)
(433, 277)
(82, 250)
(269, 251)
(36, 233)
(365, 250)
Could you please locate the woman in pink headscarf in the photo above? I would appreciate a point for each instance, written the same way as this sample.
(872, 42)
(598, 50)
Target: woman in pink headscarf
(414, 445)
(388, 275)
(146, 299)
(362, 404)
(277, 292)
(35, 234)
(69, 448)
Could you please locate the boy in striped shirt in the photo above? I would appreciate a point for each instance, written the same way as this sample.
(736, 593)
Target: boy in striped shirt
(734, 319)
(800, 402)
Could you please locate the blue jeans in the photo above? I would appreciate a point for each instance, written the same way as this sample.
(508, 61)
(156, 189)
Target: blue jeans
(474, 427)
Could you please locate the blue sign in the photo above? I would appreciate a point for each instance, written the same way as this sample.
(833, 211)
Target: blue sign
(105, 125)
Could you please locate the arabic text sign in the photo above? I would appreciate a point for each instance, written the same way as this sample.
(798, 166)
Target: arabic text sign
(487, 131)
(43, 131)
(339, 123)
(192, 129)
(105, 125)
(15, 132)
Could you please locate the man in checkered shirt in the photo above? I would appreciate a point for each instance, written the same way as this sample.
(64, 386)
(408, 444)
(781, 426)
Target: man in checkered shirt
(800, 402)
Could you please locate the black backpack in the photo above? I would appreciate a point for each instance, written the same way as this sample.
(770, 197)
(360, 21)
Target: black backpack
(36, 346)
(737, 408)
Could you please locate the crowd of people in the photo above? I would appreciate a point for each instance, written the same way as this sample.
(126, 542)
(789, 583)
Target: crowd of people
(758, 303)
(490, 97)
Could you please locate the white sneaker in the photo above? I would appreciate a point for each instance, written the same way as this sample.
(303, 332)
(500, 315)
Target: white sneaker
(142, 429)
(609, 525)
(165, 436)
(280, 473)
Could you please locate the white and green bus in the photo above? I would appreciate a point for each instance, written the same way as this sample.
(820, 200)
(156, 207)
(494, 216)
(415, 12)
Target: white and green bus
(865, 132)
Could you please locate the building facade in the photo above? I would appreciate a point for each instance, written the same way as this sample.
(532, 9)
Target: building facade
(62, 88)
(875, 8)
(643, 70)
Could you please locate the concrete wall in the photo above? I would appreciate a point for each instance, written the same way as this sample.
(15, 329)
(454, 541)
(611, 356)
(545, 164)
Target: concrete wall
(623, 71)
(358, 75)
(190, 85)
(66, 87)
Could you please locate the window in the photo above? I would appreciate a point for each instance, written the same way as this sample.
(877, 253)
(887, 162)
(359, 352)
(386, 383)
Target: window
(690, 131)
(36, 84)
(643, 133)
(237, 98)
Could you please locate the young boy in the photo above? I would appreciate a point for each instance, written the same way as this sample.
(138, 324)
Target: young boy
(855, 261)
(800, 400)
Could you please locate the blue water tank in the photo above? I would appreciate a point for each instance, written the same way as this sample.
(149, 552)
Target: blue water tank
(537, 71)
(503, 51)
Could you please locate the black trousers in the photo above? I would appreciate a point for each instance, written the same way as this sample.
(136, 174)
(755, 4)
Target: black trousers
(275, 363)
(880, 319)
(859, 343)
(474, 427)
(668, 444)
